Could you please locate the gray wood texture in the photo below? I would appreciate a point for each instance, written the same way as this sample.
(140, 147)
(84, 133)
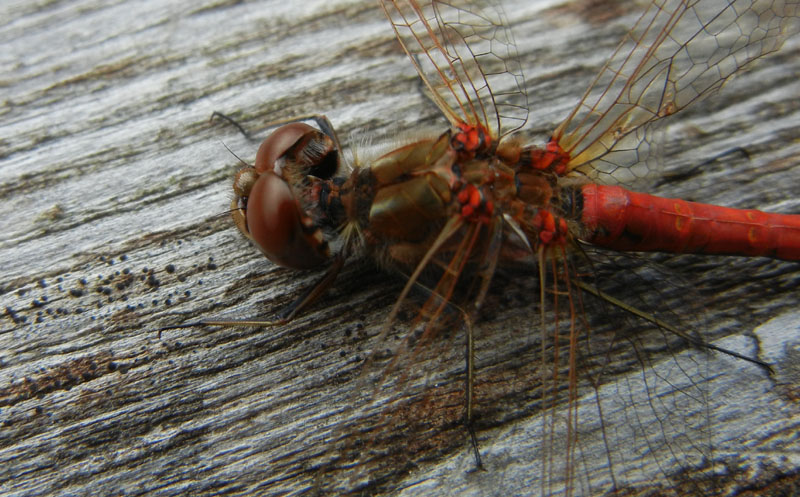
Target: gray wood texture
(115, 191)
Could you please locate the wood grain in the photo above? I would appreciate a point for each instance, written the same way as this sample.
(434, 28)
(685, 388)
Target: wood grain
(115, 188)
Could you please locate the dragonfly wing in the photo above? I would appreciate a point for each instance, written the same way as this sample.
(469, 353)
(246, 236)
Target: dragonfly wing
(641, 402)
(466, 56)
(677, 53)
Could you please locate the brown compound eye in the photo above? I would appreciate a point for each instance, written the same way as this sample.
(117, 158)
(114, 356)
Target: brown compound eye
(280, 228)
(265, 208)
(278, 144)
(302, 149)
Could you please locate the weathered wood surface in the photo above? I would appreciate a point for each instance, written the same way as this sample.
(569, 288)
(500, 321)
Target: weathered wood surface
(114, 192)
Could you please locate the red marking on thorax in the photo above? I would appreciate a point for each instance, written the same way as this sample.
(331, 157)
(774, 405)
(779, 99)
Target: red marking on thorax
(552, 157)
(470, 140)
(474, 205)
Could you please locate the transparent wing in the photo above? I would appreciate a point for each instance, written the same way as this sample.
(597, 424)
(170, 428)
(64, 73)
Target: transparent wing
(677, 53)
(465, 54)
(620, 403)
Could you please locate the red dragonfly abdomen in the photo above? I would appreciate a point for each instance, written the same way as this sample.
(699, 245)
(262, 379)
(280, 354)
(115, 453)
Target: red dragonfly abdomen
(620, 219)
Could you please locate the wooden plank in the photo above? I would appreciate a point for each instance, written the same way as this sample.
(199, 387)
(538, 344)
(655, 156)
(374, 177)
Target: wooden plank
(115, 187)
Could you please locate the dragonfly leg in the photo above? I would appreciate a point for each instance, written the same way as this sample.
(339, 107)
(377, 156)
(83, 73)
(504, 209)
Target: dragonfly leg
(321, 120)
(470, 377)
(313, 293)
(307, 298)
(232, 121)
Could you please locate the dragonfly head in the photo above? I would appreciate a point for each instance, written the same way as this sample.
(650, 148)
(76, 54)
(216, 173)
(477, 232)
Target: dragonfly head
(267, 208)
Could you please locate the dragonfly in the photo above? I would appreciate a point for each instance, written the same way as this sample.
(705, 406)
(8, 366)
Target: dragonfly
(447, 210)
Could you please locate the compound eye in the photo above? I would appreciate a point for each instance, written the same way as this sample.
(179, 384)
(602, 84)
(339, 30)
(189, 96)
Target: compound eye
(283, 232)
(278, 144)
(297, 150)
